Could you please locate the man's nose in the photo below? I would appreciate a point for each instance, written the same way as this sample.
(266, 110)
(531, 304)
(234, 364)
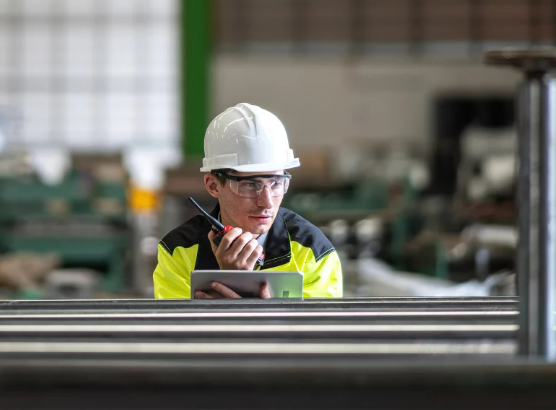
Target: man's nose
(265, 199)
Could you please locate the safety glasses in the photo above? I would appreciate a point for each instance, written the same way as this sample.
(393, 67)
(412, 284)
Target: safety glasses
(252, 186)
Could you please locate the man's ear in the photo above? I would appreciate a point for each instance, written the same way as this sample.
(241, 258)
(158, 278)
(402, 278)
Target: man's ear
(212, 185)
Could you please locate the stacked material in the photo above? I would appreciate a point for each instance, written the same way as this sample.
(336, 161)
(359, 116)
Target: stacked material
(387, 352)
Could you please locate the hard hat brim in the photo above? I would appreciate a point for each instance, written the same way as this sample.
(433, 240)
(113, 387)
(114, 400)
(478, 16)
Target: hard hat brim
(264, 167)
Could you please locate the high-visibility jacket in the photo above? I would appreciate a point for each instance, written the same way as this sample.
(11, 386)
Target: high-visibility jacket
(292, 244)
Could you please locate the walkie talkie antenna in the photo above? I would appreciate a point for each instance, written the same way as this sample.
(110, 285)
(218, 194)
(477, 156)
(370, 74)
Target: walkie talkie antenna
(215, 222)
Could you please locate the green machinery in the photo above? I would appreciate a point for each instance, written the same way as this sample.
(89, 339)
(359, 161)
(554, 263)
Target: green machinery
(82, 220)
(393, 201)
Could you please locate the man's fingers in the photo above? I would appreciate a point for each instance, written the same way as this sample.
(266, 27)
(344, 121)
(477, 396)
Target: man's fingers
(255, 253)
(230, 294)
(265, 292)
(237, 250)
(239, 244)
(228, 239)
(249, 251)
(224, 291)
(202, 295)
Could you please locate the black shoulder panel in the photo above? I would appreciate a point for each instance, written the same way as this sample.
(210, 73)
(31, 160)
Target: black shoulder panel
(307, 234)
(185, 235)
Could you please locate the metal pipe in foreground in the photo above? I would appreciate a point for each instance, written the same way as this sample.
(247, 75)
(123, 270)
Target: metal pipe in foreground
(536, 197)
(20, 307)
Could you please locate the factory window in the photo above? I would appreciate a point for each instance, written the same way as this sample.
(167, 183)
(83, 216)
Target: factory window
(89, 74)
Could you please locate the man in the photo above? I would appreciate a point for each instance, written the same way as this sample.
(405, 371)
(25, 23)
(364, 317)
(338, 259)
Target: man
(246, 157)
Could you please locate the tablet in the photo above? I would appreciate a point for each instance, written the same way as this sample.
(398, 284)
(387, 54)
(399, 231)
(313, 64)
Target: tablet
(247, 284)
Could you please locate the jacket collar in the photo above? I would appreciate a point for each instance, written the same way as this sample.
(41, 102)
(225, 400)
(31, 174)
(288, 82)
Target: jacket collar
(277, 247)
(277, 250)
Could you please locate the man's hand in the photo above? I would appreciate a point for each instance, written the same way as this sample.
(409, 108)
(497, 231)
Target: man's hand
(227, 293)
(237, 250)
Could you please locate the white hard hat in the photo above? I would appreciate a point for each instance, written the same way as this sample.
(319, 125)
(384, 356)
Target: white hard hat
(247, 138)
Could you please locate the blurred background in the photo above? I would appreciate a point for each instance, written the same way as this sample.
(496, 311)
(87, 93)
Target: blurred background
(406, 139)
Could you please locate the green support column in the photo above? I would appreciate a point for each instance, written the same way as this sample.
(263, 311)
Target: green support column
(195, 64)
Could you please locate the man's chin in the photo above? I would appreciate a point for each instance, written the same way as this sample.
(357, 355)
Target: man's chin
(259, 229)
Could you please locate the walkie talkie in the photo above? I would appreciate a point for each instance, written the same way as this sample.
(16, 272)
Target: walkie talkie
(219, 229)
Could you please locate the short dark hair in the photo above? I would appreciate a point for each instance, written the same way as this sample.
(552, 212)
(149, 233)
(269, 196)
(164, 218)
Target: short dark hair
(220, 178)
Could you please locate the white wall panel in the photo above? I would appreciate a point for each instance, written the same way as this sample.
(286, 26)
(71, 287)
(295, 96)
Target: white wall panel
(166, 8)
(36, 112)
(4, 7)
(5, 42)
(120, 118)
(83, 8)
(162, 43)
(79, 114)
(162, 117)
(38, 7)
(36, 51)
(121, 7)
(78, 45)
(328, 102)
(120, 50)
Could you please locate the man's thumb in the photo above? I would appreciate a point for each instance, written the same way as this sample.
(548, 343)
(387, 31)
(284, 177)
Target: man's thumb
(265, 292)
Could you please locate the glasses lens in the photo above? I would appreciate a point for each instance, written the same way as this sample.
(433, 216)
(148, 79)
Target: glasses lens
(249, 189)
(253, 188)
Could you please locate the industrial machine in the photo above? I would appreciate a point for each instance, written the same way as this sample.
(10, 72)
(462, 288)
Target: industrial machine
(82, 219)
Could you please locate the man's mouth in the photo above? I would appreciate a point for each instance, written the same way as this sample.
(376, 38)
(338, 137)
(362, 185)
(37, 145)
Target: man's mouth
(261, 218)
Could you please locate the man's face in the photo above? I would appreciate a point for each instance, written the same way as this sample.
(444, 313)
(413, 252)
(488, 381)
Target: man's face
(255, 215)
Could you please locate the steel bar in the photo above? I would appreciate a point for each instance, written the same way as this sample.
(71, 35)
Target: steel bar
(289, 315)
(547, 221)
(265, 317)
(528, 225)
(227, 350)
(277, 333)
(150, 305)
(536, 196)
(93, 349)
